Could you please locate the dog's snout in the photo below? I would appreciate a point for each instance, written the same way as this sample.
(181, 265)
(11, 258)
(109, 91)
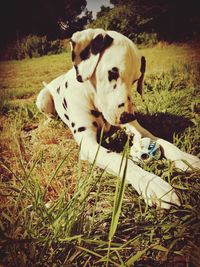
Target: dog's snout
(126, 117)
(78, 76)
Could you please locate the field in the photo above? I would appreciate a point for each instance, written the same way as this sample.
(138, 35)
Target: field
(56, 210)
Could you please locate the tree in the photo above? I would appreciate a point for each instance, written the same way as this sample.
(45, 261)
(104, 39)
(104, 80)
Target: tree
(103, 11)
(22, 17)
(118, 19)
(171, 20)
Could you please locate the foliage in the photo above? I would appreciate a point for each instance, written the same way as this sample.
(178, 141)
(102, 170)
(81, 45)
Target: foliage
(162, 18)
(58, 211)
(145, 39)
(104, 11)
(124, 19)
(31, 46)
(35, 17)
(116, 19)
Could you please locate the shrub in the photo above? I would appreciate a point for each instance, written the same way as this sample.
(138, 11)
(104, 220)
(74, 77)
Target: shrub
(31, 46)
(144, 39)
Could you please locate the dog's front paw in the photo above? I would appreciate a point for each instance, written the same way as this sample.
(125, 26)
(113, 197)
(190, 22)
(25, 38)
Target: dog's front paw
(182, 160)
(156, 191)
(187, 162)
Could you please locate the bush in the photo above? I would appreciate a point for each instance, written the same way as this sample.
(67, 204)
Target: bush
(31, 46)
(144, 39)
(118, 19)
(123, 19)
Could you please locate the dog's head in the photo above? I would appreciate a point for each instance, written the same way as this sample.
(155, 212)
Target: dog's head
(112, 63)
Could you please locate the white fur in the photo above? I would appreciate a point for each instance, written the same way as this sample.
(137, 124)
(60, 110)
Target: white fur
(96, 92)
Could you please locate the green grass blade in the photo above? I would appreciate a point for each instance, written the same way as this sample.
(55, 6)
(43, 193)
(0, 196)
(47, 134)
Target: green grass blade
(118, 198)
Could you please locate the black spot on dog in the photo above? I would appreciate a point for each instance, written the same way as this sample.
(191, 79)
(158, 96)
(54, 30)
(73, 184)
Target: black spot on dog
(76, 68)
(129, 99)
(85, 54)
(73, 43)
(81, 129)
(113, 74)
(64, 103)
(107, 41)
(95, 124)
(127, 117)
(121, 105)
(114, 87)
(100, 43)
(143, 64)
(95, 113)
(104, 120)
(115, 69)
(73, 47)
(134, 81)
(58, 90)
(113, 140)
(66, 84)
(74, 131)
(73, 55)
(78, 77)
(66, 116)
(97, 44)
(72, 124)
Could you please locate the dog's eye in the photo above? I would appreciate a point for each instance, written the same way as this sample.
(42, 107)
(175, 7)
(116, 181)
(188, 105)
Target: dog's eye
(113, 74)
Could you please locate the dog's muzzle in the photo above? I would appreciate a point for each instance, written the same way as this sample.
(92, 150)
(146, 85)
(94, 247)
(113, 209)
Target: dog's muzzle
(78, 76)
(127, 117)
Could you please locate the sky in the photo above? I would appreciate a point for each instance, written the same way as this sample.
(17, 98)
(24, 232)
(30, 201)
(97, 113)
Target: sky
(94, 5)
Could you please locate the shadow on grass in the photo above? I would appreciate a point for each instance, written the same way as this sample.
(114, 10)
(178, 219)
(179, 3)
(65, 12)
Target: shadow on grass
(164, 125)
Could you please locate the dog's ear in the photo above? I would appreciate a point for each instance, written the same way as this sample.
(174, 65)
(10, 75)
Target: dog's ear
(140, 80)
(87, 47)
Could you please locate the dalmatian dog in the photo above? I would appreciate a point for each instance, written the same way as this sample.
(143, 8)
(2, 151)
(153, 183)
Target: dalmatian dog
(95, 94)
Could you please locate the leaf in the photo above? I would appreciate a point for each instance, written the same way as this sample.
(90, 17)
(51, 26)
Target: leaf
(136, 257)
(119, 193)
(70, 238)
(189, 165)
(180, 187)
(7, 217)
(90, 251)
(161, 248)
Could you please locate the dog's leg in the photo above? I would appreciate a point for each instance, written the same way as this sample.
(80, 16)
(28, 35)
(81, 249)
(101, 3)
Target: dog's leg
(170, 151)
(153, 189)
(45, 102)
(179, 157)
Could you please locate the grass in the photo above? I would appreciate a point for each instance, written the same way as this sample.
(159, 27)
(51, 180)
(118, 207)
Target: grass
(58, 211)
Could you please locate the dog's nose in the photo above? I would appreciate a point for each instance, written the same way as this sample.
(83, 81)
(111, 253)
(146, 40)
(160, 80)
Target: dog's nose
(126, 117)
(79, 78)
